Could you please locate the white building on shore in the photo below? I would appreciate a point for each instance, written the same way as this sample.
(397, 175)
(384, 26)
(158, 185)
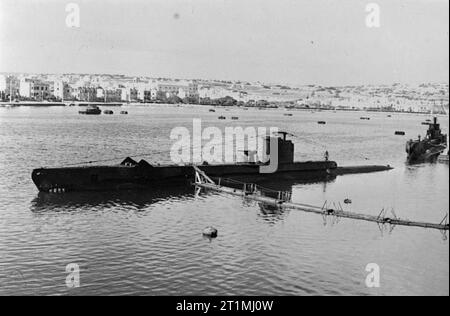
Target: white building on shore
(61, 90)
(34, 89)
(9, 87)
(182, 87)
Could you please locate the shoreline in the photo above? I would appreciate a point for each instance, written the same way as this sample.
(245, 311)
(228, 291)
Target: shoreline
(118, 104)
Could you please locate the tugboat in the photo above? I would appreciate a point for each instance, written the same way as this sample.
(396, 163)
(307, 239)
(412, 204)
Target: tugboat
(429, 148)
(91, 110)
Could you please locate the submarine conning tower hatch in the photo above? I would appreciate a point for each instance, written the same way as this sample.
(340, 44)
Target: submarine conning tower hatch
(285, 147)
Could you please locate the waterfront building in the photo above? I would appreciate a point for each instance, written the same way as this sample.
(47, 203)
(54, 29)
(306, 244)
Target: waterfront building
(87, 94)
(9, 87)
(128, 94)
(113, 95)
(109, 94)
(100, 94)
(173, 88)
(182, 93)
(34, 89)
(213, 92)
(61, 90)
(144, 94)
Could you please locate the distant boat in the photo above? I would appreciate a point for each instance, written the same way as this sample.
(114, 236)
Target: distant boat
(108, 112)
(222, 118)
(400, 133)
(212, 110)
(235, 118)
(91, 110)
(288, 114)
(322, 122)
(364, 118)
(123, 112)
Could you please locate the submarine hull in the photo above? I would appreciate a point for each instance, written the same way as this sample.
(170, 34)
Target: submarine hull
(429, 148)
(124, 177)
(424, 151)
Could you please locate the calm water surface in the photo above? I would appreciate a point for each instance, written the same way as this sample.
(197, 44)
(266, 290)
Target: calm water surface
(150, 242)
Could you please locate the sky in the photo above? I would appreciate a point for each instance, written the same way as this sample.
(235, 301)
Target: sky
(284, 41)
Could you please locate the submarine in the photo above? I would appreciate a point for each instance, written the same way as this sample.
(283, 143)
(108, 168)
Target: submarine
(131, 174)
(429, 148)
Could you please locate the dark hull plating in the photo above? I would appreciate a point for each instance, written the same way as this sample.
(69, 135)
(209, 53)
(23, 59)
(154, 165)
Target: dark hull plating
(122, 177)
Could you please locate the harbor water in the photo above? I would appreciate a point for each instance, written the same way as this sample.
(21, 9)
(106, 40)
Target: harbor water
(150, 242)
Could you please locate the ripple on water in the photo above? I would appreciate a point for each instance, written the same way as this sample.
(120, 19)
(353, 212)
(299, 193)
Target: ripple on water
(150, 242)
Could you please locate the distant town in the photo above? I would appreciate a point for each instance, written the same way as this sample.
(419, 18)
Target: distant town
(23, 89)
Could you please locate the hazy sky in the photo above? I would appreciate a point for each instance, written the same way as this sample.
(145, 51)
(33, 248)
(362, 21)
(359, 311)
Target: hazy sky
(285, 41)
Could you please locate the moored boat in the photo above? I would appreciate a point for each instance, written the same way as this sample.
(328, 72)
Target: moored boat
(91, 110)
(131, 174)
(429, 148)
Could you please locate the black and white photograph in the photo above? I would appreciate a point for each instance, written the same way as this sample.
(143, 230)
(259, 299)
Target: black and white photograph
(224, 154)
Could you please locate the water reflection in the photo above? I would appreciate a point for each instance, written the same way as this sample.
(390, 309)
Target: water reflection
(139, 199)
(271, 214)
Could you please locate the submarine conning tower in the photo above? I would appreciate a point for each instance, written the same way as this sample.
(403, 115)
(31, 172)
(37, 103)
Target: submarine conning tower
(285, 148)
(434, 130)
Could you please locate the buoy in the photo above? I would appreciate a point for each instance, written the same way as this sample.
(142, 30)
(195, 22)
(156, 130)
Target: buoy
(210, 232)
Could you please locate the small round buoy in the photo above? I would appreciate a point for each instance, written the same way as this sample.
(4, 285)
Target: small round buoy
(210, 232)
